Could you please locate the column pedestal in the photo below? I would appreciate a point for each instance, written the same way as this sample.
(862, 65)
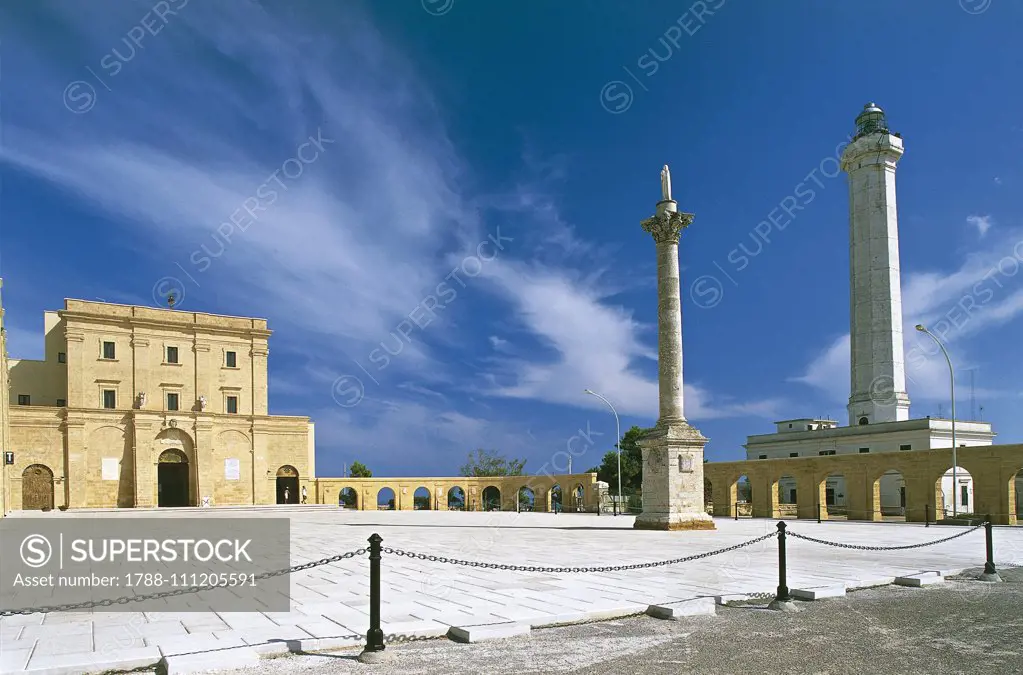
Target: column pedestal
(673, 479)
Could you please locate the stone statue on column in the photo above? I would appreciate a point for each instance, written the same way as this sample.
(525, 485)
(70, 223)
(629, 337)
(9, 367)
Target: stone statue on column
(673, 449)
(142, 399)
(202, 403)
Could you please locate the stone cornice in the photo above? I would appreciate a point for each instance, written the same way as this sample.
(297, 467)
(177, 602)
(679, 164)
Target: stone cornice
(667, 227)
(188, 328)
(872, 149)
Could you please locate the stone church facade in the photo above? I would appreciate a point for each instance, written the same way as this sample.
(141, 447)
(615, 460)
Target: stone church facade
(138, 406)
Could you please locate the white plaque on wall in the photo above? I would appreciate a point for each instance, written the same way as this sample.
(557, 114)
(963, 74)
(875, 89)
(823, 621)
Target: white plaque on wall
(232, 469)
(111, 468)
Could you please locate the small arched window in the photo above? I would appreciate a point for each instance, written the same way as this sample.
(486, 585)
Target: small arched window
(864, 421)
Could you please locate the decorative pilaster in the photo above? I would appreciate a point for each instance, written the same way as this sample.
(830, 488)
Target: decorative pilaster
(144, 460)
(76, 465)
(260, 392)
(76, 368)
(205, 471)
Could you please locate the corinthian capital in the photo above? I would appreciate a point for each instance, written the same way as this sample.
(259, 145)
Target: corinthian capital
(667, 227)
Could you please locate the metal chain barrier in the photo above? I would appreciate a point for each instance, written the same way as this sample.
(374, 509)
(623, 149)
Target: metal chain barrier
(563, 570)
(177, 591)
(885, 548)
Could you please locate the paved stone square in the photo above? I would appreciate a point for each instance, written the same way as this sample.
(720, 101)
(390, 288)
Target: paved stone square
(423, 598)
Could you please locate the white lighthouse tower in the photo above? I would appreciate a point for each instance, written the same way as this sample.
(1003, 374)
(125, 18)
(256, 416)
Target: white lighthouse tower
(878, 368)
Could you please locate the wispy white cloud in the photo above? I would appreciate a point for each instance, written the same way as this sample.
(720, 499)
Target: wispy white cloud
(358, 231)
(982, 223)
(584, 340)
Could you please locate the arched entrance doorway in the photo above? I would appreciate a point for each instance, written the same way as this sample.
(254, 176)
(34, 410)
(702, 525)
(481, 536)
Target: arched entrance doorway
(578, 496)
(491, 499)
(456, 499)
(742, 497)
(555, 499)
(348, 498)
(287, 485)
(37, 488)
(385, 500)
(888, 499)
(783, 497)
(172, 479)
(421, 499)
(527, 499)
(954, 498)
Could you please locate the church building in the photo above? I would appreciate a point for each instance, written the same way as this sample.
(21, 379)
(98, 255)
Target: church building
(136, 406)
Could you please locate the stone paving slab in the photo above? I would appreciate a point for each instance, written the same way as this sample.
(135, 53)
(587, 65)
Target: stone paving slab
(423, 598)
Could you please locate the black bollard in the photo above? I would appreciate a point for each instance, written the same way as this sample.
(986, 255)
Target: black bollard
(375, 636)
(782, 600)
(818, 513)
(737, 510)
(927, 515)
(990, 573)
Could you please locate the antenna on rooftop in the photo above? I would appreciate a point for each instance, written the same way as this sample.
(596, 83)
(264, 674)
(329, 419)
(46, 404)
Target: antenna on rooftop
(973, 396)
(170, 300)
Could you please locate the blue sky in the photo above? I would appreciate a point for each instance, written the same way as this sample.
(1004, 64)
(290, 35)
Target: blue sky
(382, 146)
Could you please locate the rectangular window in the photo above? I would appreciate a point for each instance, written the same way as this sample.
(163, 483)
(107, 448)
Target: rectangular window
(793, 454)
(24, 399)
(809, 427)
(231, 359)
(61, 357)
(108, 350)
(109, 398)
(864, 450)
(965, 494)
(232, 405)
(172, 354)
(172, 401)
(905, 447)
(824, 453)
(763, 456)
(61, 402)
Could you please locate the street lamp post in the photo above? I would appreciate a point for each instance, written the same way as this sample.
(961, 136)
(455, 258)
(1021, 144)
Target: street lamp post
(618, 442)
(952, 378)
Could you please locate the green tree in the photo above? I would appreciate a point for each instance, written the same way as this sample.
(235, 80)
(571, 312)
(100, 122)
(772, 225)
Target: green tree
(632, 464)
(491, 463)
(359, 470)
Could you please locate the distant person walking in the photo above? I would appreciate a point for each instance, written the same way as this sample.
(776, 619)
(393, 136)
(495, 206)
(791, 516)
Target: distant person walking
(303, 494)
(286, 495)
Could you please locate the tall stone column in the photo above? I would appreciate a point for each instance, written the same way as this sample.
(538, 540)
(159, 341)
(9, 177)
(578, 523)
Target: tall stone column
(673, 449)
